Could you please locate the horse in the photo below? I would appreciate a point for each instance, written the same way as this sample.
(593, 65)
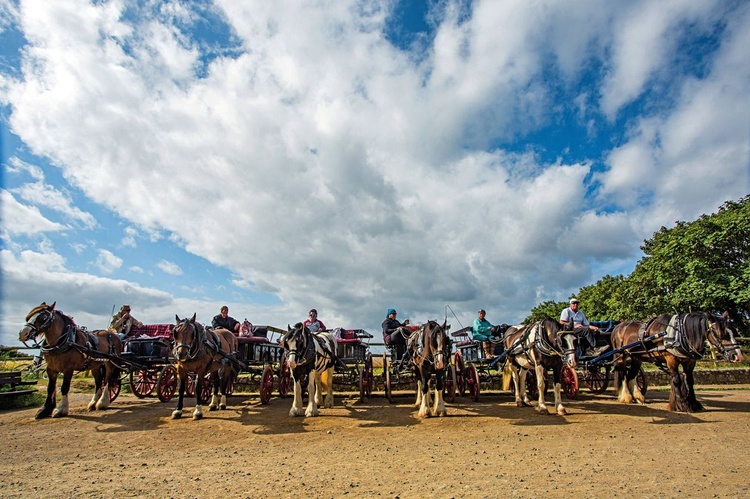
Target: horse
(312, 355)
(202, 351)
(539, 346)
(67, 348)
(683, 344)
(430, 350)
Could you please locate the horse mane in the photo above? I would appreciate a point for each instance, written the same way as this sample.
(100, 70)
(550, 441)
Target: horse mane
(695, 327)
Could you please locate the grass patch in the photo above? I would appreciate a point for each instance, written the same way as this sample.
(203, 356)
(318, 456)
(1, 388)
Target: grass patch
(22, 401)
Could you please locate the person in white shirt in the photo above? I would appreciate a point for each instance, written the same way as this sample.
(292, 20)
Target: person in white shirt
(573, 319)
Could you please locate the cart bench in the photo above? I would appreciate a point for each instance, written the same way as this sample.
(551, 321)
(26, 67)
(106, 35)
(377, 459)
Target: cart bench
(13, 379)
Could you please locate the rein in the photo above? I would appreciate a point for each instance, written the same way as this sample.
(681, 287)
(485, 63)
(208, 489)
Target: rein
(715, 339)
(196, 344)
(308, 348)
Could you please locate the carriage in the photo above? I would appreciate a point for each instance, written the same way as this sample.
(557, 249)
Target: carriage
(150, 347)
(356, 367)
(263, 359)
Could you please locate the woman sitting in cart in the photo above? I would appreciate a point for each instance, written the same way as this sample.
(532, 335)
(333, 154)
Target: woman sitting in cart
(224, 321)
(395, 335)
(483, 330)
(314, 324)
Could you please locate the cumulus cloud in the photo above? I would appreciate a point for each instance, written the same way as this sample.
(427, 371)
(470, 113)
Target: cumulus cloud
(319, 162)
(19, 218)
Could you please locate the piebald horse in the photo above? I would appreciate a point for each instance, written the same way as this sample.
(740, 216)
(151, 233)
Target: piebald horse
(203, 352)
(312, 355)
(683, 344)
(539, 346)
(430, 350)
(68, 348)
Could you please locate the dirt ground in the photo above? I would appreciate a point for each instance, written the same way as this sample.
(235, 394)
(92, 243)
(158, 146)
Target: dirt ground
(375, 449)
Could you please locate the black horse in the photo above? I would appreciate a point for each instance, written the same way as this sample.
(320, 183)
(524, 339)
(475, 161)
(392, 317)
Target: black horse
(430, 350)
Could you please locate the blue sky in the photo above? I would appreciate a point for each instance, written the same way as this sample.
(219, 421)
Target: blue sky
(354, 156)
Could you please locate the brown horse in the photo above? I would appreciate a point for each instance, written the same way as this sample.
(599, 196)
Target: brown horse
(539, 346)
(430, 350)
(68, 348)
(201, 351)
(683, 344)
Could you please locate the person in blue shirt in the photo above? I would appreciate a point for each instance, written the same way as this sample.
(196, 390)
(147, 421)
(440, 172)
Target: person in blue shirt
(483, 330)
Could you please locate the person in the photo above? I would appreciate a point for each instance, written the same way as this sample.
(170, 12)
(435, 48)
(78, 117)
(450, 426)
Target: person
(484, 331)
(224, 321)
(122, 322)
(573, 319)
(395, 335)
(313, 323)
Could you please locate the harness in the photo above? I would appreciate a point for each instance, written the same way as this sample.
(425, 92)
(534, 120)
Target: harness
(309, 353)
(717, 344)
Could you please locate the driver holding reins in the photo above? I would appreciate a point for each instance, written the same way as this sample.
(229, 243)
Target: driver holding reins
(573, 319)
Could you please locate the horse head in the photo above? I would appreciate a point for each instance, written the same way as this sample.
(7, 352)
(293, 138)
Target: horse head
(186, 338)
(435, 336)
(295, 343)
(564, 341)
(721, 336)
(38, 321)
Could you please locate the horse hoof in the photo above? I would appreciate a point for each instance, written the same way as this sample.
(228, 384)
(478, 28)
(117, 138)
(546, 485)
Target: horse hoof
(42, 414)
(91, 407)
(213, 408)
(562, 412)
(223, 407)
(198, 416)
(58, 414)
(176, 414)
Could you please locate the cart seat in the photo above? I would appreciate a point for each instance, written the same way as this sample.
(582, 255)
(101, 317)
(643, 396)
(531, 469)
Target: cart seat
(252, 339)
(151, 330)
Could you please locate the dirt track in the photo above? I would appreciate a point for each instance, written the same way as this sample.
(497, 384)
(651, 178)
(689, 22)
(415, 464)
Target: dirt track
(485, 449)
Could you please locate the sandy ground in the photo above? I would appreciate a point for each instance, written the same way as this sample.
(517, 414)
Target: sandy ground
(375, 449)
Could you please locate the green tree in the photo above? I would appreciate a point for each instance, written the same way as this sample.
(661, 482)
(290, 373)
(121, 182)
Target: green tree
(550, 308)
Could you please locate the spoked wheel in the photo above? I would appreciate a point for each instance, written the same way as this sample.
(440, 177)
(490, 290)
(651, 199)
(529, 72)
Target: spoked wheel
(449, 388)
(387, 379)
(458, 360)
(596, 378)
(114, 388)
(472, 382)
(166, 384)
(361, 383)
(641, 381)
(143, 382)
(569, 381)
(206, 392)
(285, 377)
(369, 376)
(266, 385)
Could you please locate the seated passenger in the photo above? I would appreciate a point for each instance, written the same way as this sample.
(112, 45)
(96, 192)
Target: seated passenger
(122, 322)
(395, 334)
(573, 319)
(224, 322)
(313, 323)
(483, 330)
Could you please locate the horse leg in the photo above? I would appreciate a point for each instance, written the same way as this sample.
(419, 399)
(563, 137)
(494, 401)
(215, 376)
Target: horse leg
(625, 396)
(181, 380)
(418, 402)
(200, 380)
(312, 384)
(326, 383)
(557, 389)
(424, 408)
(439, 409)
(97, 373)
(218, 383)
(62, 409)
(516, 384)
(633, 386)
(695, 405)
(226, 379)
(541, 383)
(296, 409)
(103, 403)
(678, 394)
(51, 401)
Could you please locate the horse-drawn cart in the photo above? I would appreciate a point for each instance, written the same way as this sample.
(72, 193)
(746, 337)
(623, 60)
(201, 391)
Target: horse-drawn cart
(353, 350)
(264, 359)
(149, 346)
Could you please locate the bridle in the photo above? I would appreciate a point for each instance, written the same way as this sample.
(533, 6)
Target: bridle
(193, 347)
(715, 339)
(39, 330)
(307, 344)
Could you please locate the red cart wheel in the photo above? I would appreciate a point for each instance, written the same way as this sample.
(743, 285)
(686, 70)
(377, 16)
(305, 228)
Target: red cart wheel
(458, 360)
(285, 377)
(143, 382)
(641, 381)
(449, 388)
(166, 384)
(266, 385)
(207, 388)
(114, 388)
(472, 382)
(569, 381)
(596, 378)
(387, 379)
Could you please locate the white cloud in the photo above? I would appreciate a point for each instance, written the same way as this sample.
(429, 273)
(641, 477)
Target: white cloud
(170, 268)
(41, 194)
(107, 262)
(20, 219)
(330, 168)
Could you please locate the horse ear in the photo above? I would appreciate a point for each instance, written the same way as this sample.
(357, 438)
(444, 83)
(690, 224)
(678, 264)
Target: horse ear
(445, 323)
(288, 328)
(192, 319)
(52, 307)
(176, 319)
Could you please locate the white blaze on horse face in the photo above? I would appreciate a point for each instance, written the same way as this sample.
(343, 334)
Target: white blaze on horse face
(570, 348)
